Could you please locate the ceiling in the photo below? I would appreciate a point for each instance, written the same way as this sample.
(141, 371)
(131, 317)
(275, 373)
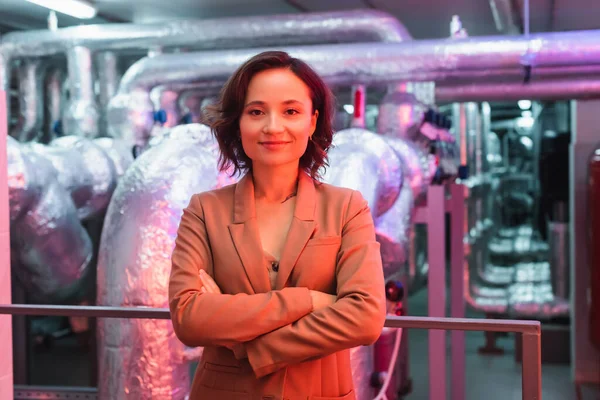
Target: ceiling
(424, 19)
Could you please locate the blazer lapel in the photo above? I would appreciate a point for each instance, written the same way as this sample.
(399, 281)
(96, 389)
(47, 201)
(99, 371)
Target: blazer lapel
(245, 236)
(301, 230)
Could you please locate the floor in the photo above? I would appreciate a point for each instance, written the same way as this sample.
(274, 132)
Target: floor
(487, 377)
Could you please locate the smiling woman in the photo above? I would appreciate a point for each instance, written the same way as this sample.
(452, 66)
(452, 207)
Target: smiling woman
(279, 275)
(273, 88)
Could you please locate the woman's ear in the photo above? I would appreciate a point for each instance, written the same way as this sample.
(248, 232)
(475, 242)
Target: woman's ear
(313, 122)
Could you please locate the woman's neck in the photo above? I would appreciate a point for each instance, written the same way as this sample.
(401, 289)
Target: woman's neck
(274, 184)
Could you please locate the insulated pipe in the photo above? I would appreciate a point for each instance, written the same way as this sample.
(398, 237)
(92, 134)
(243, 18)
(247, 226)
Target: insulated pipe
(29, 125)
(53, 248)
(237, 32)
(143, 359)
(84, 169)
(378, 63)
(53, 101)
(108, 84)
(559, 89)
(81, 115)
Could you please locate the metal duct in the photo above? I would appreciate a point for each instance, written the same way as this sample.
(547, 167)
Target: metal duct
(400, 115)
(486, 127)
(393, 230)
(379, 63)
(50, 243)
(167, 101)
(119, 153)
(556, 89)
(81, 115)
(494, 155)
(142, 359)
(240, 32)
(417, 165)
(190, 104)
(472, 142)
(53, 102)
(84, 169)
(423, 60)
(362, 160)
(29, 125)
(108, 84)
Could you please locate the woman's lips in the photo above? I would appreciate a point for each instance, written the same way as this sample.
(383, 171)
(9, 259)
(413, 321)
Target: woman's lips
(274, 145)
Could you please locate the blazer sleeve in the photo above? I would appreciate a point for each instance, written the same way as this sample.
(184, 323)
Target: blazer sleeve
(208, 319)
(356, 318)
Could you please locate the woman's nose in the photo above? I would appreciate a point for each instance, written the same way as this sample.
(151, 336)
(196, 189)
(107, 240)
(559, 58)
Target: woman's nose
(274, 124)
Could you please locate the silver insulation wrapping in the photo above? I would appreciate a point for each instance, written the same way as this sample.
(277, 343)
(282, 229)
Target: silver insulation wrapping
(81, 115)
(363, 161)
(400, 115)
(53, 101)
(417, 164)
(142, 359)
(30, 120)
(108, 84)
(240, 32)
(53, 248)
(84, 169)
(360, 63)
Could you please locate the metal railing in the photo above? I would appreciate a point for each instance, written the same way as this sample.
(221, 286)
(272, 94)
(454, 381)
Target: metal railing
(530, 330)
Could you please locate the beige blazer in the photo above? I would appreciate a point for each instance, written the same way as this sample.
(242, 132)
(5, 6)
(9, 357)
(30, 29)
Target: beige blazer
(289, 351)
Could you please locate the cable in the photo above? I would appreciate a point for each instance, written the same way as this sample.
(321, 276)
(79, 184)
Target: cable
(390, 371)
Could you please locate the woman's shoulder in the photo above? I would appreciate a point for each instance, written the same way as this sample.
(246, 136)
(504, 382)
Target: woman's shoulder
(337, 194)
(218, 196)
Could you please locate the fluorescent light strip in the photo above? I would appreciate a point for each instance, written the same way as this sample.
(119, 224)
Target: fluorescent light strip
(74, 8)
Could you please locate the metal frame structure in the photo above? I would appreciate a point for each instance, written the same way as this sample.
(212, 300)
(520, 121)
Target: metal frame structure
(530, 330)
(442, 199)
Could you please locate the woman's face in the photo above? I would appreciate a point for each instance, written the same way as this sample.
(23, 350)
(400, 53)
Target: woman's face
(277, 119)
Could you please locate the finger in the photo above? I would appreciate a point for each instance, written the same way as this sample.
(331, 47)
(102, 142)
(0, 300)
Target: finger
(205, 279)
(210, 283)
(213, 284)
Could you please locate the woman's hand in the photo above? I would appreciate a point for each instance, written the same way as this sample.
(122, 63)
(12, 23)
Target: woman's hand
(321, 300)
(208, 284)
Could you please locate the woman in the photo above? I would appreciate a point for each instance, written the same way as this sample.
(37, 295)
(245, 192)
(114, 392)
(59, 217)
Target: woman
(277, 276)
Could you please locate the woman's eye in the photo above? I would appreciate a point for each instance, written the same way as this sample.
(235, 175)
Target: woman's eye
(291, 111)
(254, 112)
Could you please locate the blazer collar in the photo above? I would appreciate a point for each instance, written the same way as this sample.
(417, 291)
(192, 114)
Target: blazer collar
(245, 207)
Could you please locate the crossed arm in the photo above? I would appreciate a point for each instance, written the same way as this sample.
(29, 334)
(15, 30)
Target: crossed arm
(281, 327)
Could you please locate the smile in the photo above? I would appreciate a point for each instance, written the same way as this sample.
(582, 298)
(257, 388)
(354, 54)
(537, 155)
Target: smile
(275, 145)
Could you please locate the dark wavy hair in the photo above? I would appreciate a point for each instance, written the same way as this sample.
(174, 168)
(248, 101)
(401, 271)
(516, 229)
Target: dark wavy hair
(223, 117)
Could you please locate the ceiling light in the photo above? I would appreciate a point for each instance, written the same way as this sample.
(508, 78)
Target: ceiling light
(524, 104)
(349, 108)
(526, 114)
(75, 8)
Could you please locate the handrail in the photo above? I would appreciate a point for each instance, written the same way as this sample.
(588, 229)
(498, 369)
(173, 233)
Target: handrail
(530, 330)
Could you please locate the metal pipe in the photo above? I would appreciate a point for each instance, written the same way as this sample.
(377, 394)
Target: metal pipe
(237, 32)
(380, 63)
(29, 125)
(563, 89)
(108, 83)
(81, 115)
(53, 100)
